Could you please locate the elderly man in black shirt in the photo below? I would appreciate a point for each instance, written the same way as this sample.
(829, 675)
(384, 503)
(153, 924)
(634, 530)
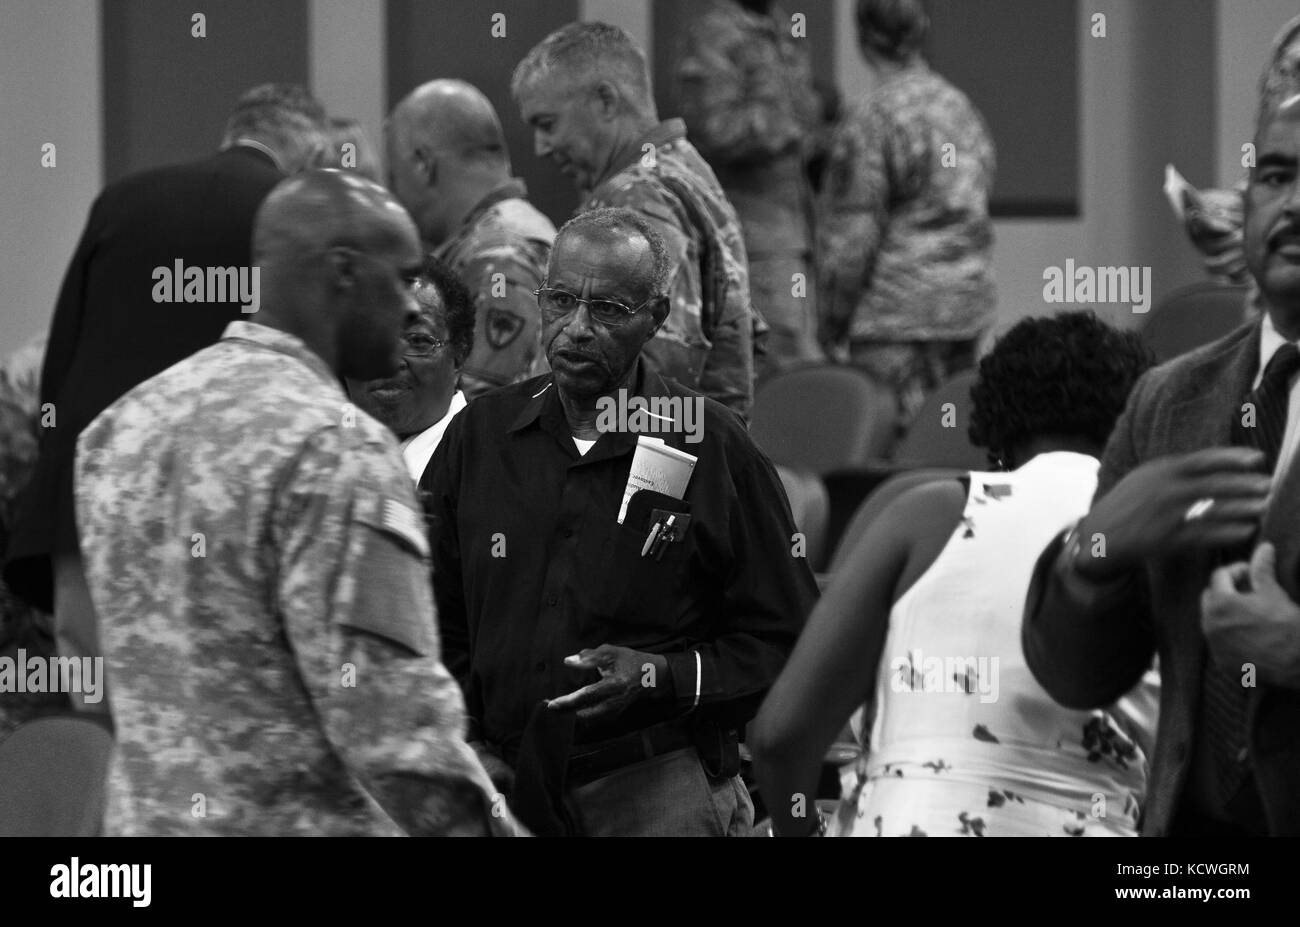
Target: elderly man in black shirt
(613, 676)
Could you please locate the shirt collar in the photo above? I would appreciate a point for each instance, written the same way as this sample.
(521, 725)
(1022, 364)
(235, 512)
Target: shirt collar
(284, 343)
(258, 146)
(1270, 339)
(545, 409)
(511, 189)
(670, 130)
(417, 450)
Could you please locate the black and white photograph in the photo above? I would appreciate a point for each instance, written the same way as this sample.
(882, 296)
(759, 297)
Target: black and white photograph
(651, 418)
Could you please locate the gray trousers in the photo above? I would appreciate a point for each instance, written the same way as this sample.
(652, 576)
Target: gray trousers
(667, 796)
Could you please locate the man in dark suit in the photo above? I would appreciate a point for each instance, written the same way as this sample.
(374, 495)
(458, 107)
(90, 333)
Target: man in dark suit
(1170, 560)
(157, 275)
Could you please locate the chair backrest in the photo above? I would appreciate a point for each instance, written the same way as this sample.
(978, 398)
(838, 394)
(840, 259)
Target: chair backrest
(810, 504)
(879, 499)
(937, 436)
(821, 418)
(52, 773)
(1193, 316)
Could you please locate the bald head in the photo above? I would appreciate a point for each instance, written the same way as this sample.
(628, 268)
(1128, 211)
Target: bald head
(451, 116)
(446, 152)
(321, 209)
(335, 251)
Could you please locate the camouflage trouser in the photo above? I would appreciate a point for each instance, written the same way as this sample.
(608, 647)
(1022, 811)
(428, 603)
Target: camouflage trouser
(793, 319)
(911, 370)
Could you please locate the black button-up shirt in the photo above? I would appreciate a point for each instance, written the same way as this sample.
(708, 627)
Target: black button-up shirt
(531, 566)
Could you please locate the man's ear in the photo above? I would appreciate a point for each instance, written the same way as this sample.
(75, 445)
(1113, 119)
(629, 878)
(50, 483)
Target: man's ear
(606, 99)
(659, 312)
(343, 268)
(427, 165)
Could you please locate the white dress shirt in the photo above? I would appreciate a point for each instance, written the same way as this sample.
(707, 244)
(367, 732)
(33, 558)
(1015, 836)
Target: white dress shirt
(417, 450)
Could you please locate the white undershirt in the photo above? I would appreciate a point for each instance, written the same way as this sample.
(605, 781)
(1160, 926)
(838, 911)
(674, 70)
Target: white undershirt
(417, 450)
(584, 446)
(1269, 341)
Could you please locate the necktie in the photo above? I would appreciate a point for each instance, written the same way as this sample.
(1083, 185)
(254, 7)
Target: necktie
(1223, 697)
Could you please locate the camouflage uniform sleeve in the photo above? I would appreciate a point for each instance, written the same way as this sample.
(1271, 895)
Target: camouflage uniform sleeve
(354, 593)
(853, 210)
(508, 324)
(731, 103)
(728, 374)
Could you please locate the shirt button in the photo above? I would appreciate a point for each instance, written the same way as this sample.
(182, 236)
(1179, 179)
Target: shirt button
(541, 666)
(566, 533)
(552, 600)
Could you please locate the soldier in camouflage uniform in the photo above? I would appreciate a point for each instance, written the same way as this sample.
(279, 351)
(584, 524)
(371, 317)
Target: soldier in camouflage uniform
(261, 575)
(905, 245)
(745, 87)
(449, 166)
(585, 90)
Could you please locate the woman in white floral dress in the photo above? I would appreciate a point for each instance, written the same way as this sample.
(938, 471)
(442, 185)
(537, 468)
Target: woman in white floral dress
(925, 618)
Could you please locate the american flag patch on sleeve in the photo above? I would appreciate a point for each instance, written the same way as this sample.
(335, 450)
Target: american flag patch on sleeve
(403, 521)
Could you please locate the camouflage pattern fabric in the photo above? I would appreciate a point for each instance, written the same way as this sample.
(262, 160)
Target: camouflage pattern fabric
(260, 573)
(707, 342)
(500, 254)
(905, 245)
(745, 87)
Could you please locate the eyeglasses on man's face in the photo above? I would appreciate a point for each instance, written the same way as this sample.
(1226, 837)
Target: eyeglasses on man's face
(418, 344)
(558, 304)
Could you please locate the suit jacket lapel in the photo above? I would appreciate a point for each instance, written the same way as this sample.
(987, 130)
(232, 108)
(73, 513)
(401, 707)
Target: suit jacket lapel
(1203, 418)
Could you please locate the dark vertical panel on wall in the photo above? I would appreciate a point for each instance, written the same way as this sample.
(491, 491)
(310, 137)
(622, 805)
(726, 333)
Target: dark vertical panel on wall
(672, 18)
(1018, 61)
(167, 94)
(453, 38)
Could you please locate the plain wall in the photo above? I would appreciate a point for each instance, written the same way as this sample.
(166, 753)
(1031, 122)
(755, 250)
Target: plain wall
(49, 69)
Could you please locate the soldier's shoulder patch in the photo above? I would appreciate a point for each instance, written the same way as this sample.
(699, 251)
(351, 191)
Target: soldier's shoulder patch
(400, 519)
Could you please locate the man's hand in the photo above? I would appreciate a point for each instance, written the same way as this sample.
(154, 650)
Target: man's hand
(1199, 501)
(625, 676)
(1248, 618)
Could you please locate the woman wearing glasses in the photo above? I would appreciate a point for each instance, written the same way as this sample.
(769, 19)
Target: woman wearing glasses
(420, 400)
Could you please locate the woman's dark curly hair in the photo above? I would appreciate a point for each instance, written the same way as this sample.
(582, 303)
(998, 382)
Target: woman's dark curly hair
(1067, 375)
(458, 306)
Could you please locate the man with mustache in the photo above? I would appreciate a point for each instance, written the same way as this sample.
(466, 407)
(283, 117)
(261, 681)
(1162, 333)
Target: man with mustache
(614, 677)
(1170, 561)
(420, 400)
(585, 91)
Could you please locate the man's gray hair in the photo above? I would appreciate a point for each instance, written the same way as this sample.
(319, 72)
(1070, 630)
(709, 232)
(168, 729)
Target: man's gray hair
(592, 50)
(894, 29)
(619, 220)
(284, 117)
